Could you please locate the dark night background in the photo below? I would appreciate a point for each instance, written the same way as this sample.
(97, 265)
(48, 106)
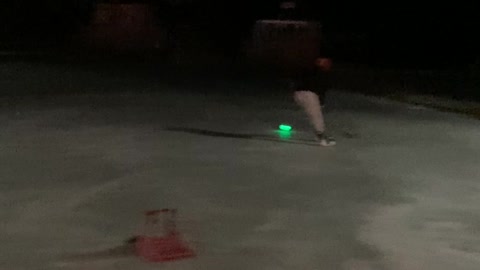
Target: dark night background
(392, 35)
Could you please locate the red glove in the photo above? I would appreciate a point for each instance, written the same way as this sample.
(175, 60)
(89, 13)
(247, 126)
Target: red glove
(325, 64)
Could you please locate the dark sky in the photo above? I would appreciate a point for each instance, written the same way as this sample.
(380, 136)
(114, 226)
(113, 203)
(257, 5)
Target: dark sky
(345, 13)
(404, 27)
(339, 15)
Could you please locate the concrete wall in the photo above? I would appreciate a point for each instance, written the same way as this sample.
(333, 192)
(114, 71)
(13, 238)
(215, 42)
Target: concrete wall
(124, 27)
(286, 44)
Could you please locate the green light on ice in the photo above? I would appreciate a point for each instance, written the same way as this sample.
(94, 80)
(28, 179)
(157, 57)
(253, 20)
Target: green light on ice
(285, 127)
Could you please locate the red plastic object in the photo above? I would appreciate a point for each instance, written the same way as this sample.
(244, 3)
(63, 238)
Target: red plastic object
(161, 242)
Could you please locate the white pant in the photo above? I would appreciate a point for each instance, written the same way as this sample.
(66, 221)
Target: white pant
(310, 103)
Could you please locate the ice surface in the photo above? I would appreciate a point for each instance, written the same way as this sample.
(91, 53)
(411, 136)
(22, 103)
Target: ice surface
(77, 172)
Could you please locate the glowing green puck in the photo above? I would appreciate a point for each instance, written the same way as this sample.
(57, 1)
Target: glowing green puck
(285, 127)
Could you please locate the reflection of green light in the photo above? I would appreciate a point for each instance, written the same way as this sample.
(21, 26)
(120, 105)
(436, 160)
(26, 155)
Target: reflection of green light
(285, 127)
(285, 131)
(284, 135)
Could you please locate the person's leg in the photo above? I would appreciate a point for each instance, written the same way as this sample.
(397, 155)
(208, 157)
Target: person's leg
(310, 103)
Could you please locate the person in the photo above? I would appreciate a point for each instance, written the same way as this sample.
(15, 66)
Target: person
(309, 88)
(310, 82)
